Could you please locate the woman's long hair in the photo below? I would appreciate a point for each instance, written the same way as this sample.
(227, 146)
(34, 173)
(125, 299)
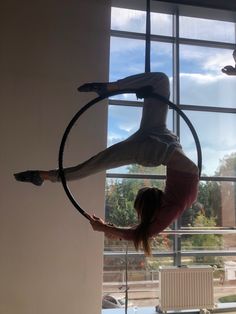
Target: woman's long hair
(147, 202)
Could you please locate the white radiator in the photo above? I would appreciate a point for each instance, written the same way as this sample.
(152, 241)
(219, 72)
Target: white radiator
(186, 288)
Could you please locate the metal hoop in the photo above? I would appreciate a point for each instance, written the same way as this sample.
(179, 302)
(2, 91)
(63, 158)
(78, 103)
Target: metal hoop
(90, 104)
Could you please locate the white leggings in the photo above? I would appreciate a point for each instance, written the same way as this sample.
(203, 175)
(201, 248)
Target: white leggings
(152, 145)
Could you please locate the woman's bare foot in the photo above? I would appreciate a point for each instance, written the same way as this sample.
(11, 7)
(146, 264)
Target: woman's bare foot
(32, 176)
(99, 88)
(37, 177)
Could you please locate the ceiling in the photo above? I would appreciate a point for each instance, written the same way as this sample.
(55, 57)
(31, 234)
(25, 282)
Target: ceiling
(216, 4)
(224, 10)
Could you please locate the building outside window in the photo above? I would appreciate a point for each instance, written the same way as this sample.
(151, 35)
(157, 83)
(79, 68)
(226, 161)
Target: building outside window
(191, 50)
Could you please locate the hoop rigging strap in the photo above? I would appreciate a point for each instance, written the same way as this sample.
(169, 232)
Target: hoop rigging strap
(148, 38)
(140, 93)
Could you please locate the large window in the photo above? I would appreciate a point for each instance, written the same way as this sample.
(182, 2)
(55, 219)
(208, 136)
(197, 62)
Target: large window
(191, 51)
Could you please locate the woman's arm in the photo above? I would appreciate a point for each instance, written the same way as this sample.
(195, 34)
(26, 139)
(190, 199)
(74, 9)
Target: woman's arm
(111, 231)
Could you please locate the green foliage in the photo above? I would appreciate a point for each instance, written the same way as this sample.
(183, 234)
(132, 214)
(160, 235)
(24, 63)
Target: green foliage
(208, 203)
(161, 243)
(154, 263)
(204, 241)
(135, 168)
(227, 166)
(119, 202)
(228, 298)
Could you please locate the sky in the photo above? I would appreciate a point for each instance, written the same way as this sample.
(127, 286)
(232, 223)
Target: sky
(201, 80)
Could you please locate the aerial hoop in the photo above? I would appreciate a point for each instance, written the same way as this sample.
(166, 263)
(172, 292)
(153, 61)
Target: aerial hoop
(93, 102)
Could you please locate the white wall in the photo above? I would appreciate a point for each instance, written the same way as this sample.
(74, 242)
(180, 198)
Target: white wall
(51, 261)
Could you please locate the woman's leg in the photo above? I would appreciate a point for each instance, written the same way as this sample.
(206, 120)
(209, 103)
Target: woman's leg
(123, 153)
(154, 111)
(157, 80)
(117, 155)
(136, 149)
(139, 149)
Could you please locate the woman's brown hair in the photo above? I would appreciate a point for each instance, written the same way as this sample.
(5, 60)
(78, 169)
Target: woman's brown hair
(147, 201)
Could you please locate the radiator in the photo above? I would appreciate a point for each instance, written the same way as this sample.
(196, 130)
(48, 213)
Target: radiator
(183, 288)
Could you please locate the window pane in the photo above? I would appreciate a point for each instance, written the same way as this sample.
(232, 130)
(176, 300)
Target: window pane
(135, 21)
(161, 244)
(122, 122)
(225, 283)
(216, 132)
(126, 57)
(196, 28)
(143, 278)
(161, 24)
(215, 207)
(128, 20)
(162, 58)
(202, 242)
(201, 80)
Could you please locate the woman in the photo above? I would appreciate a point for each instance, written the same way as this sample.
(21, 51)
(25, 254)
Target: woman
(153, 144)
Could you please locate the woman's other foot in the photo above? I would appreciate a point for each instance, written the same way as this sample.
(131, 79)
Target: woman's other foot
(99, 88)
(229, 70)
(37, 177)
(31, 176)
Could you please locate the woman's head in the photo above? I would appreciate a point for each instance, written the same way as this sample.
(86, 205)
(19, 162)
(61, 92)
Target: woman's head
(147, 202)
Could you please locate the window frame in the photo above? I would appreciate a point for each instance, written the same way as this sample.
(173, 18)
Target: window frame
(176, 41)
